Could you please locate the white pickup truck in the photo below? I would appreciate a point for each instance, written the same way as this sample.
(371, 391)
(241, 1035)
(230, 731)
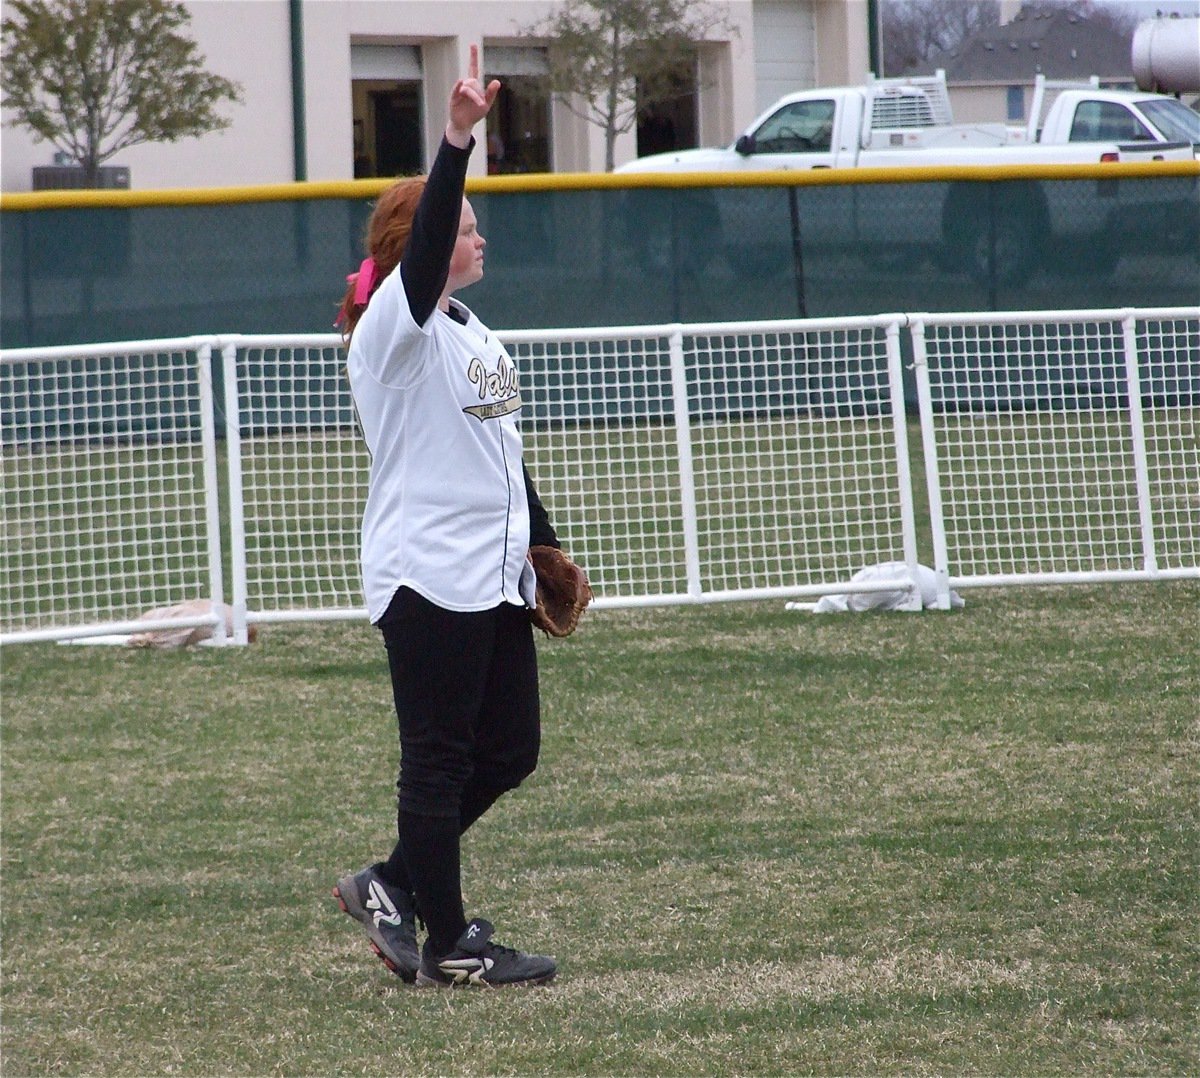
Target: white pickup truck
(907, 123)
(1084, 113)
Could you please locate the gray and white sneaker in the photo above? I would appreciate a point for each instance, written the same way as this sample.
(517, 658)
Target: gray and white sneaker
(477, 961)
(388, 914)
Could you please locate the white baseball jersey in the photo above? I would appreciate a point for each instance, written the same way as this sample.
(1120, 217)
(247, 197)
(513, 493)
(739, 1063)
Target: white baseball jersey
(447, 513)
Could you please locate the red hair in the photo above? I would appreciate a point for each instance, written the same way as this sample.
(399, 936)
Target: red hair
(387, 236)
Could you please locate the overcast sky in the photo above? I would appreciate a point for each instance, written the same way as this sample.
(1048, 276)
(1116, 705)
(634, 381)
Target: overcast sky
(1147, 9)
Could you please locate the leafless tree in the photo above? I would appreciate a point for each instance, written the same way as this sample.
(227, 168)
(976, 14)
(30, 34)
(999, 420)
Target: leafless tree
(914, 30)
(613, 60)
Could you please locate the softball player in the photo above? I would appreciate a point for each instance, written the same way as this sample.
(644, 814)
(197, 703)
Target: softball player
(449, 518)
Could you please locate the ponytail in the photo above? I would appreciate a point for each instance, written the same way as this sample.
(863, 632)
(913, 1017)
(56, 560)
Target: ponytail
(387, 236)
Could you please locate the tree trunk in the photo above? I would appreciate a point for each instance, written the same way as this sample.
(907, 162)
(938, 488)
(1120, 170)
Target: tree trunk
(91, 159)
(610, 120)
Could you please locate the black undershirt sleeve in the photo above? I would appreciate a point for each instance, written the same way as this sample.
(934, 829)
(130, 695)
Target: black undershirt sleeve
(541, 533)
(426, 265)
(426, 262)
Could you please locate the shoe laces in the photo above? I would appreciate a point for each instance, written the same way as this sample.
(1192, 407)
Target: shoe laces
(499, 948)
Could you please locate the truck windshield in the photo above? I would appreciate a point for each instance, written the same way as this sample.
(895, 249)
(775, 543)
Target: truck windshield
(798, 127)
(1174, 119)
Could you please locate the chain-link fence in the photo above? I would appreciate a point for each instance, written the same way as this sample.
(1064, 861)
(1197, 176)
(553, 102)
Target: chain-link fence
(599, 250)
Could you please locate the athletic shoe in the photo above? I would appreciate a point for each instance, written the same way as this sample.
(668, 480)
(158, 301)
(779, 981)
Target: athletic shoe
(476, 960)
(388, 914)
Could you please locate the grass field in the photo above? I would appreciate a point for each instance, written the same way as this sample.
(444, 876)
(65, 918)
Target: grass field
(760, 842)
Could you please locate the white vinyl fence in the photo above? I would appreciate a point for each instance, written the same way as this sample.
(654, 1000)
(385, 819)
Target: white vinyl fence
(680, 463)
(1061, 447)
(109, 479)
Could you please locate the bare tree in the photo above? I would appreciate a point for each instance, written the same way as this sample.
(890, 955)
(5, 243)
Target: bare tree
(1121, 21)
(915, 30)
(92, 77)
(613, 60)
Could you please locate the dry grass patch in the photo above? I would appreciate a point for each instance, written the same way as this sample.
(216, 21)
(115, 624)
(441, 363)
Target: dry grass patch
(759, 842)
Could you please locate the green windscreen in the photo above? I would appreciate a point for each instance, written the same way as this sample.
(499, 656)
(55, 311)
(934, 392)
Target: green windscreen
(617, 256)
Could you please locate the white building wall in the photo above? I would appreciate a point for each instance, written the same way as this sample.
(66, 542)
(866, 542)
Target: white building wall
(784, 49)
(842, 42)
(249, 41)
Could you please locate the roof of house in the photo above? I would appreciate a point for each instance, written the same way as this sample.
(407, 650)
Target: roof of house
(1058, 43)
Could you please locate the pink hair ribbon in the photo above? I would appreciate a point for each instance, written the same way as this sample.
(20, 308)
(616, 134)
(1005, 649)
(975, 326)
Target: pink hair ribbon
(364, 280)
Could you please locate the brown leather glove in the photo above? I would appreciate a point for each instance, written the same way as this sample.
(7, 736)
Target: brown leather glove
(563, 591)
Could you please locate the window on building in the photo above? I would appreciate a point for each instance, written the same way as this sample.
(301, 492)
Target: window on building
(386, 100)
(1016, 104)
(518, 127)
(671, 122)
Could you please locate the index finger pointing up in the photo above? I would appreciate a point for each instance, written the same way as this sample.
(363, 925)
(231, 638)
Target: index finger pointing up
(473, 66)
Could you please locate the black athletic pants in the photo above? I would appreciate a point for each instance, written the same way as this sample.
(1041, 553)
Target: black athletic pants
(466, 692)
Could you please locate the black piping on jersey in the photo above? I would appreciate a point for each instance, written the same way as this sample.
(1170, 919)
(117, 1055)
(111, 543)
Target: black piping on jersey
(460, 317)
(508, 508)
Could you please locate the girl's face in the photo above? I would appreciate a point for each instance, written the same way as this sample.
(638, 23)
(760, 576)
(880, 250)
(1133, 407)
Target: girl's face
(466, 262)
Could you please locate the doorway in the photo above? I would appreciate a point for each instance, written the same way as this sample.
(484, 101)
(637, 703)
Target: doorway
(396, 126)
(668, 122)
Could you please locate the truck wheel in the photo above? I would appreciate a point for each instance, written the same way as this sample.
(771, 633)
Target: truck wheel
(1006, 258)
(1001, 255)
(996, 236)
(696, 243)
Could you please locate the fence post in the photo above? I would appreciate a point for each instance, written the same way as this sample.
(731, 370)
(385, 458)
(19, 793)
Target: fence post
(237, 518)
(937, 524)
(687, 474)
(212, 502)
(908, 521)
(1137, 425)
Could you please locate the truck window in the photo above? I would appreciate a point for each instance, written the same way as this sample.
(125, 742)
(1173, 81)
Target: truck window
(1174, 119)
(799, 127)
(1107, 121)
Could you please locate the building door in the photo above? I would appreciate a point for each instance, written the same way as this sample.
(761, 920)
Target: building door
(670, 122)
(397, 125)
(518, 127)
(785, 57)
(385, 95)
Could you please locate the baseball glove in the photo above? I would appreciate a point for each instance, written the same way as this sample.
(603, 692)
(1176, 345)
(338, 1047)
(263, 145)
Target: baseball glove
(562, 591)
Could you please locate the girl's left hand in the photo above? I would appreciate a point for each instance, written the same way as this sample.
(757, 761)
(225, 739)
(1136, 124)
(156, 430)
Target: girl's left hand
(470, 101)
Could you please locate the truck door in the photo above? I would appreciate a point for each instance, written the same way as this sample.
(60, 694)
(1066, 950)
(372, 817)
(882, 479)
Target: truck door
(797, 135)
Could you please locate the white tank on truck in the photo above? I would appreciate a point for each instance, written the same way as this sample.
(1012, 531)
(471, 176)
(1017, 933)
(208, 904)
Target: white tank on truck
(1166, 55)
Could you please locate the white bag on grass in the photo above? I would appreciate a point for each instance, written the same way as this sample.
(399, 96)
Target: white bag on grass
(925, 578)
(185, 636)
